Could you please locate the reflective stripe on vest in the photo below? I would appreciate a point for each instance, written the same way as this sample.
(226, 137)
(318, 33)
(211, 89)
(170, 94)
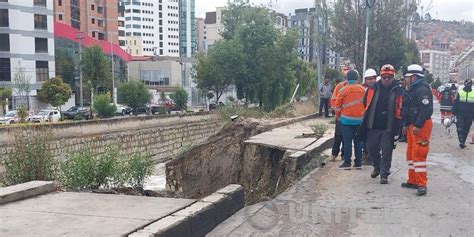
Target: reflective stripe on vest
(466, 97)
(351, 103)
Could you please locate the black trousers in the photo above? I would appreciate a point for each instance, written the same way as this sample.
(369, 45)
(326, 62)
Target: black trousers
(463, 125)
(380, 147)
(324, 103)
(336, 147)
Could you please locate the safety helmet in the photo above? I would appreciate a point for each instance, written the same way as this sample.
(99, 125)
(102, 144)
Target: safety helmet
(370, 73)
(447, 122)
(387, 69)
(414, 69)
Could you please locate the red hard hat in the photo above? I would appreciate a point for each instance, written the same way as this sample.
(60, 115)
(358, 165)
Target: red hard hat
(387, 69)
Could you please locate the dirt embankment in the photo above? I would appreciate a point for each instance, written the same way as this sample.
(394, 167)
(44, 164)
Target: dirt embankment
(225, 159)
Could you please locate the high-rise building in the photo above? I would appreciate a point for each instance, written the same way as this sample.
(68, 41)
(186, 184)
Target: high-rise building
(153, 24)
(26, 48)
(437, 63)
(213, 28)
(187, 27)
(200, 35)
(98, 18)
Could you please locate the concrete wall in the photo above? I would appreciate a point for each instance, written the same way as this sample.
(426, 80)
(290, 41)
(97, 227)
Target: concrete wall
(161, 137)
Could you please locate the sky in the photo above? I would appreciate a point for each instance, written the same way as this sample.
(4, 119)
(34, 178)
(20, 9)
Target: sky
(440, 9)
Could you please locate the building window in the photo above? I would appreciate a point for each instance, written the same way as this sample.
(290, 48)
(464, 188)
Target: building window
(41, 45)
(100, 23)
(4, 18)
(100, 9)
(101, 36)
(60, 2)
(4, 43)
(92, 7)
(60, 17)
(42, 71)
(5, 72)
(93, 20)
(41, 3)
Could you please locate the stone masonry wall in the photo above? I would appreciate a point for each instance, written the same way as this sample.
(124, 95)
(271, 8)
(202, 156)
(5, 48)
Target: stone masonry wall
(161, 137)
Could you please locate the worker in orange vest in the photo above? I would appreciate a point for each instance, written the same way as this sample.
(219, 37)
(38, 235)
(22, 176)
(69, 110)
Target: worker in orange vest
(417, 112)
(336, 147)
(382, 121)
(350, 111)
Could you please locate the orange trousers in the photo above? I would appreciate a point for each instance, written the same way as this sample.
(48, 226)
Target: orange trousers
(417, 151)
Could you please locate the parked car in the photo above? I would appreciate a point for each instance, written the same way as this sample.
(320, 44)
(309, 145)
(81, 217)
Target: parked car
(122, 109)
(46, 115)
(78, 112)
(141, 110)
(213, 106)
(10, 117)
(167, 106)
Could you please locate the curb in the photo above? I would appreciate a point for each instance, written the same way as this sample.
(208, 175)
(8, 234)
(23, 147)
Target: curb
(25, 190)
(199, 218)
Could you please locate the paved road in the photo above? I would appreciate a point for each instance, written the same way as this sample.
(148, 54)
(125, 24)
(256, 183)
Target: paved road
(330, 202)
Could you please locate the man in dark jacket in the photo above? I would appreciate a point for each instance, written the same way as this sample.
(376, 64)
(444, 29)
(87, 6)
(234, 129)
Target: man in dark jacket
(382, 121)
(418, 125)
(464, 110)
(446, 103)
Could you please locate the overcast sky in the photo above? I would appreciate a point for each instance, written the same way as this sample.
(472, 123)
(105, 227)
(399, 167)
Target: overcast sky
(440, 9)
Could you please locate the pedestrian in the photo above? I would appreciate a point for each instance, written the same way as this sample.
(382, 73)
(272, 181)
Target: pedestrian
(463, 108)
(350, 111)
(417, 125)
(454, 89)
(370, 77)
(338, 141)
(446, 103)
(382, 121)
(325, 92)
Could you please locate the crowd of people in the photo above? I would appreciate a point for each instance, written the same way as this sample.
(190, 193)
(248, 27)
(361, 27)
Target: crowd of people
(371, 117)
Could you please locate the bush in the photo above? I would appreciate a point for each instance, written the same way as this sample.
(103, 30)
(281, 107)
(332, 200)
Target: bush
(84, 170)
(134, 94)
(225, 112)
(22, 113)
(103, 106)
(180, 98)
(319, 129)
(30, 159)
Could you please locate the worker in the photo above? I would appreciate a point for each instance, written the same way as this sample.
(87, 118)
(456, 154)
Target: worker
(370, 77)
(325, 93)
(446, 103)
(350, 111)
(417, 125)
(382, 121)
(336, 147)
(464, 110)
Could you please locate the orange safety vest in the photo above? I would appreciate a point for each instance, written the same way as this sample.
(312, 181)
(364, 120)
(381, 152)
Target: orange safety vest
(398, 103)
(338, 87)
(349, 104)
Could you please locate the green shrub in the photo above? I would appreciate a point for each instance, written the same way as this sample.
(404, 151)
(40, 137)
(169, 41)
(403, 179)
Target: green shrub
(319, 129)
(22, 113)
(140, 167)
(30, 159)
(79, 170)
(103, 106)
(180, 98)
(162, 110)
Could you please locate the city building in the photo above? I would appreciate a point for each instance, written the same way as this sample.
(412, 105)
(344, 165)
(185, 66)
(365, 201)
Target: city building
(27, 49)
(437, 63)
(213, 27)
(200, 26)
(281, 22)
(187, 27)
(465, 64)
(304, 22)
(156, 22)
(98, 18)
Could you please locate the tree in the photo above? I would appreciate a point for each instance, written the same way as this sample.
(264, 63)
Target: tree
(436, 84)
(22, 84)
(64, 65)
(103, 106)
(96, 69)
(5, 93)
(180, 98)
(220, 68)
(305, 76)
(134, 94)
(387, 43)
(55, 92)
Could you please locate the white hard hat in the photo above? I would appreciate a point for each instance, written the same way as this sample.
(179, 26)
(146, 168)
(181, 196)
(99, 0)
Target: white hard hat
(414, 69)
(370, 73)
(447, 122)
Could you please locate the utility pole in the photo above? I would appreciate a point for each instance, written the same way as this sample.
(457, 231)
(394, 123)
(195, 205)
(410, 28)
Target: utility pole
(114, 90)
(80, 36)
(317, 40)
(369, 4)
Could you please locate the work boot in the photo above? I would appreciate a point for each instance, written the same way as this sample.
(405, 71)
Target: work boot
(345, 166)
(421, 191)
(384, 180)
(462, 145)
(409, 185)
(375, 173)
(365, 159)
(358, 166)
(333, 158)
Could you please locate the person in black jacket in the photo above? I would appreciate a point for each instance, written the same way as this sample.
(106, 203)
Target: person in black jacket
(446, 103)
(417, 114)
(464, 110)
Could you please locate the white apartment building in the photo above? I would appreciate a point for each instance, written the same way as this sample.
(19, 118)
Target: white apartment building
(213, 27)
(156, 22)
(26, 47)
(437, 62)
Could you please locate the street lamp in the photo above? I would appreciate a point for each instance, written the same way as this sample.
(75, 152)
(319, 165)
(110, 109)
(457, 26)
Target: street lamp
(369, 4)
(80, 36)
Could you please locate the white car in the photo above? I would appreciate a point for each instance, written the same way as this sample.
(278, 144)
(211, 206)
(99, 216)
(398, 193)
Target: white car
(46, 115)
(10, 117)
(122, 110)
